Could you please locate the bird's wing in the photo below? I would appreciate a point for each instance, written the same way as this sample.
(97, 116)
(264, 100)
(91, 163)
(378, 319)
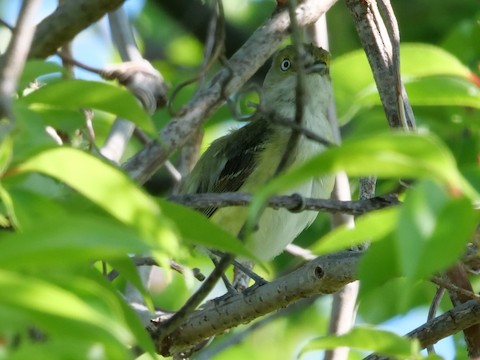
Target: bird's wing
(232, 158)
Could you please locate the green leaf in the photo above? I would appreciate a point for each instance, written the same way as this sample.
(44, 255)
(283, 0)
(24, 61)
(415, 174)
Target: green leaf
(433, 230)
(107, 187)
(6, 150)
(380, 302)
(68, 240)
(76, 94)
(125, 266)
(443, 91)
(39, 301)
(199, 230)
(421, 60)
(378, 265)
(365, 338)
(392, 155)
(432, 76)
(370, 228)
(35, 68)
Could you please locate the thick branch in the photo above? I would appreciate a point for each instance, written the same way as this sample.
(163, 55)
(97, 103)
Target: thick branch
(324, 275)
(241, 67)
(379, 51)
(66, 22)
(289, 202)
(459, 318)
(12, 62)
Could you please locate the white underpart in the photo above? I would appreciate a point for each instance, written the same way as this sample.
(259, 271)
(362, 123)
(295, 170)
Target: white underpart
(278, 228)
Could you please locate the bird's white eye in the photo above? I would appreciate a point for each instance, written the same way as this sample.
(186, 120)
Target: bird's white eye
(285, 65)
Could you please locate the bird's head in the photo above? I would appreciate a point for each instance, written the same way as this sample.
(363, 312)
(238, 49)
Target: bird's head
(280, 82)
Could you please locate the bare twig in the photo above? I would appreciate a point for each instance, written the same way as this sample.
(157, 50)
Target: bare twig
(149, 261)
(290, 202)
(432, 311)
(13, 61)
(468, 294)
(165, 329)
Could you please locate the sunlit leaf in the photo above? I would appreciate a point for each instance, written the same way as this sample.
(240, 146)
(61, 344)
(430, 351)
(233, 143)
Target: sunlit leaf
(35, 68)
(368, 228)
(199, 230)
(432, 76)
(70, 240)
(107, 187)
(443, 90)
(364, 338)
(433, 230)
(6, 150)
(389, 155)
(76, 94)
(124, 265)
(56, 309)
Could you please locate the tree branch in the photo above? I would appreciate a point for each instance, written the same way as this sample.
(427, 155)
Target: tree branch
(383, 58)
(459, 318)
(13, 61)
(241, 67)
(70, 18)
(289, 202)
(324, 275)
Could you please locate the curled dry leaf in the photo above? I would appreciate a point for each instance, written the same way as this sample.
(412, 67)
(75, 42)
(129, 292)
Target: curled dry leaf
(143, 80)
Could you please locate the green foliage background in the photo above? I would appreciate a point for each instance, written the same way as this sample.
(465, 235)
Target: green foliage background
(69, 209)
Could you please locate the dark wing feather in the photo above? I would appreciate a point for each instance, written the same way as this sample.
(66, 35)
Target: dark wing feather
(234, 158)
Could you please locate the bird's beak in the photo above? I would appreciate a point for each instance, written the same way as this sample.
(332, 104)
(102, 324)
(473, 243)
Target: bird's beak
(319, 67)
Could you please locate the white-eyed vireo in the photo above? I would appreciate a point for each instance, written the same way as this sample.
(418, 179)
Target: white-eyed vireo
(247, 158)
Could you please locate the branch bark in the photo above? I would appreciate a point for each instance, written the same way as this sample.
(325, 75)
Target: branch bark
(13, 61)
(324, 275)
(459, 318)
(289, 202)
(66, 22)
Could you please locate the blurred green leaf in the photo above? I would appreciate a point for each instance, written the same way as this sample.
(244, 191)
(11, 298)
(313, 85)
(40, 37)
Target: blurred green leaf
(107, 187)
(419, 60)
(6, 153)
(368, 228)
(77, 94)
(68, 240)
(433, 230)
(375, 311)
(379, 341)
(61, 119)
(378, 265)
(35, 68)
(125, 266)
(443, 90)
(432, 77)
(397, 155)
(199, 230)
(53, 309)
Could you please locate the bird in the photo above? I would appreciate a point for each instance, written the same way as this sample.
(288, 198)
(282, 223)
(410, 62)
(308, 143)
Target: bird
(247, 158)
